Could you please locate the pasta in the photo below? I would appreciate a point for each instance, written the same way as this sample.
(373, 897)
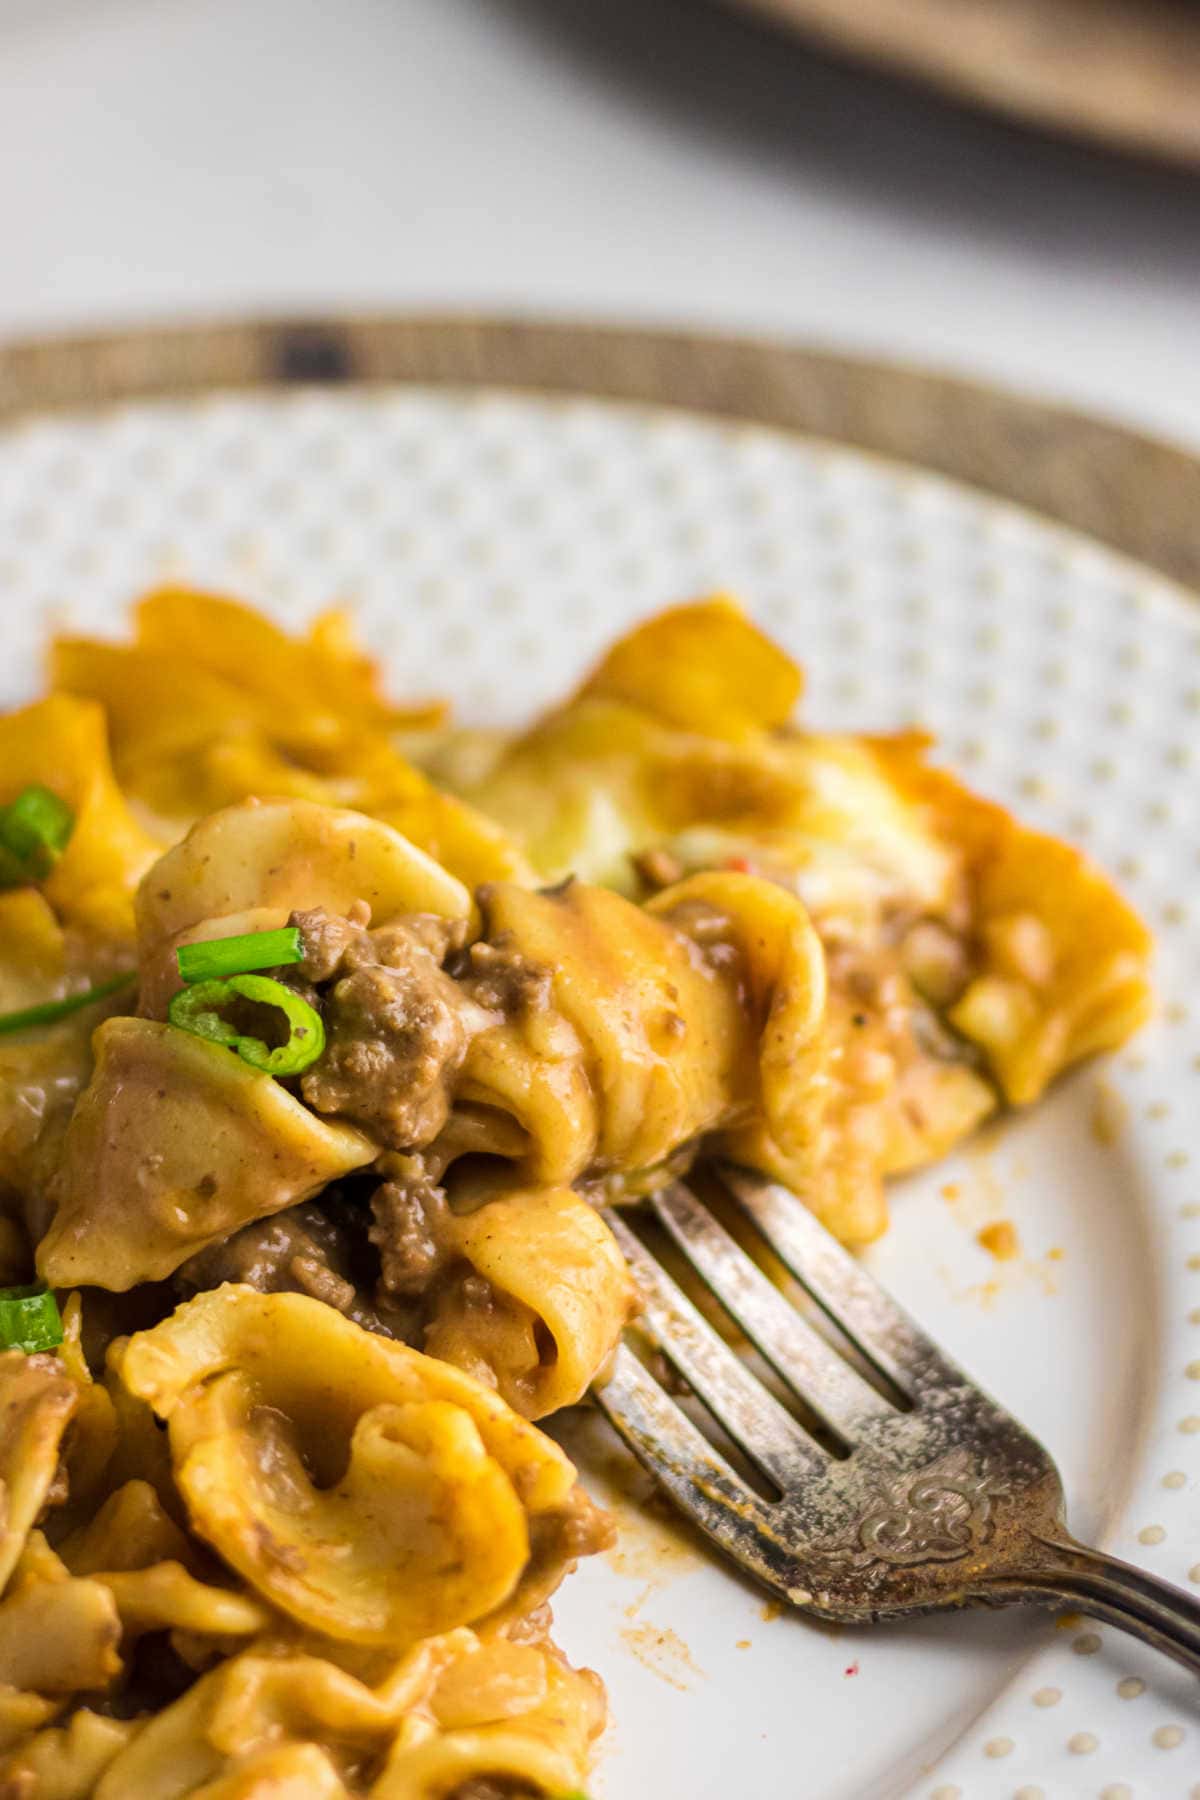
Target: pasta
(212, 703)
(969, 959)
(424, 1488)
(417, 1469)
(327, 1035)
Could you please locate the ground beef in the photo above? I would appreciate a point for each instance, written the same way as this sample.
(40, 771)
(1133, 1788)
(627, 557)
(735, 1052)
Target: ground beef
(657, 867)
(396, 1033)
(557, 1539)
(408, 1209)
(499, 977)
(577, 1528)
(441, 937)
(314, 1248)
(315, 1277)
(324, 939)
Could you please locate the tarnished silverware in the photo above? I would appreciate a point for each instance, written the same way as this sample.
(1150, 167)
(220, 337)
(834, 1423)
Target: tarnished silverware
(902, 1488)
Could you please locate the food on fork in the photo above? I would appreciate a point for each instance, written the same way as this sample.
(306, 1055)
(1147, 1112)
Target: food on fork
(327, 1034)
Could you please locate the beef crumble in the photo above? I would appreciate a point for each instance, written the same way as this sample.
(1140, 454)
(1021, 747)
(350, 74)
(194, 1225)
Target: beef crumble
(408, 1208)
(314, 1248)
(398, 1025)
(498, 976)
(397, 1029)
(325, 938)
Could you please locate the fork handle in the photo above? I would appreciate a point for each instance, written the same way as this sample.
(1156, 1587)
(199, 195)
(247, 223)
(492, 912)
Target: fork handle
(1118, 1593)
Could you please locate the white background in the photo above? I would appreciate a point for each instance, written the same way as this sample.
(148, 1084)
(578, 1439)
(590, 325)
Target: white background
(636, 159)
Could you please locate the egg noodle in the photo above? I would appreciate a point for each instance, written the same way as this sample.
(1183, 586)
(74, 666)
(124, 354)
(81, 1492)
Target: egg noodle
(327, 1033)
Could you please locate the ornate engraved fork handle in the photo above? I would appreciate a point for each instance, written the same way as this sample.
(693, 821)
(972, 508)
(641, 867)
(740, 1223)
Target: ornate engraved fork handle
(1116, 1592)
(947, 1503)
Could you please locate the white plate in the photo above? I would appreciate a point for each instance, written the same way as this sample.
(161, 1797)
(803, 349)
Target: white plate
(492, 545)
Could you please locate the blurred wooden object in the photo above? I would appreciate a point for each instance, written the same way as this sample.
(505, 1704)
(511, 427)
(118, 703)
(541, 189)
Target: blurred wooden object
(1125, 72)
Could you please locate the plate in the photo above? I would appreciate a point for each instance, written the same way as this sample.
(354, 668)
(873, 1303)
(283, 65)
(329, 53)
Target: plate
(1124, 72)
(492, 543)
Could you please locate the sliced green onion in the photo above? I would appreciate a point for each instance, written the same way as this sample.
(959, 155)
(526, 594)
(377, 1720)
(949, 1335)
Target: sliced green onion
(50, 1011)
(29, 1319)
(34, 831)
(198, 1009)
(219, 957)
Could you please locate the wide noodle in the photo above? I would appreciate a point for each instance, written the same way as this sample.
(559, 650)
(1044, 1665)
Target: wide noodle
(275, 1522)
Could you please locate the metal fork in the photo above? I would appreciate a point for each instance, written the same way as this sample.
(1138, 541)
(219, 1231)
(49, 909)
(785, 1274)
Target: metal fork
(931, 1498)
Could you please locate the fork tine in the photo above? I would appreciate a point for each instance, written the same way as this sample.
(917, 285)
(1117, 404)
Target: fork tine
(663, 1438)
(698, 1479)
(754, 1419)
(812, 1368)
(880, 1329)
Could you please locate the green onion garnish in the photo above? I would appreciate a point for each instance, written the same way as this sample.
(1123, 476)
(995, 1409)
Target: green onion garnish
(50, 1011)
(34, 831)
(29, 1319)
(198, 1009)
(219, 957)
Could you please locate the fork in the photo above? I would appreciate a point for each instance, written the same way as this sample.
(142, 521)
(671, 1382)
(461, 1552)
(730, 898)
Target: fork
(890, 1503)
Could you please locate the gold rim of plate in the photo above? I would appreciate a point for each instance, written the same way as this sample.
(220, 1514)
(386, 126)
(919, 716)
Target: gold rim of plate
(1133, 492)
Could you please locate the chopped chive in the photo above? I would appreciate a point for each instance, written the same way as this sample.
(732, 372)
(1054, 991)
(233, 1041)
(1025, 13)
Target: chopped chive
(35, 829)
(218, 957)
(29, 1319)
(50, 1011)
(198, 1009)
